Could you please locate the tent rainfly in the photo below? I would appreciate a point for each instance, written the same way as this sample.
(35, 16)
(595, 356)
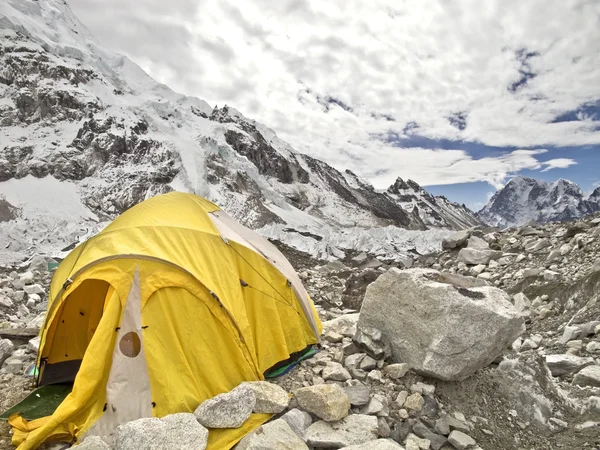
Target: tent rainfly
(171, 304)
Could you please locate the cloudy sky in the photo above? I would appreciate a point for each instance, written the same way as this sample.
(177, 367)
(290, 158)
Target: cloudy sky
(458, 95)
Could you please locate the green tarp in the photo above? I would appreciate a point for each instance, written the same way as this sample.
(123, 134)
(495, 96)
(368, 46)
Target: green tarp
(41, 402)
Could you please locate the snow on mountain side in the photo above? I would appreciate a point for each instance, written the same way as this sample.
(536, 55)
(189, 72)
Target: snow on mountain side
(526, 199)
(434, 211)
(95, 123)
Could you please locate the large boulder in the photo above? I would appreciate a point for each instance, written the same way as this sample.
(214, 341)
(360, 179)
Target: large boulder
(276, 435)
(176, 432)
(438, 324)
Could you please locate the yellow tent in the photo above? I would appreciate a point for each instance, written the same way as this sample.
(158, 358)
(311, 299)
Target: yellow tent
(171, 304)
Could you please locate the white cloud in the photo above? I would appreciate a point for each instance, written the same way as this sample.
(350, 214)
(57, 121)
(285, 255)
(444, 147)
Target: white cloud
(558, 163)
(417, 62)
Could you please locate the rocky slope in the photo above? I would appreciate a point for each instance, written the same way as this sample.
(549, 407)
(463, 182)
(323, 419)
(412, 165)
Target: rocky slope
(540, 391)
(85, 134)
(524, 199)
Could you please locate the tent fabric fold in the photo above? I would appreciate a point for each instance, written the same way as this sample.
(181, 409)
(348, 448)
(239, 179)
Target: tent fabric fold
(195, 330)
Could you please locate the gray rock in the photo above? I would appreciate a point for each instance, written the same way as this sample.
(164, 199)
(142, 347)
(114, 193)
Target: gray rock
(93, 443)
(344, 325)
(175, 432)
(27, 277)
(367, 363)
(457, 239)
(228, 410)
(270, 398)
(461, 441)
(566, 364)
(436, 327)
(538, 245)
(414, 402)
(522, 304)
(358, 395)
(478, 243)
(474, 256)
(5, 301)
(299, 421)
(352, 430)
(361, 257)
(335, 372)
(383, 428)
(34, 289)
(378, 444)
(396, 371)
(414, 442)
(326, 401)
(588, 376)
(569, 333)
(374, 407)
(6, 349)
(436, 441)
(14, 365)
(18, 284)
(276, 435)
(369, 339)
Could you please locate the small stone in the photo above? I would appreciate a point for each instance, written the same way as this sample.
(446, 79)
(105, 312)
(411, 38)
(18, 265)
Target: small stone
(367, 363)
(351, 430)
(34, 289)
(374, 407)
(403, 414)
(270, 398)
(335, 372)
(588, 376)
(414, 402)
(461, 441)
(422, 388)
(413, 442)
(564, 364)
(359, 395)
(383, 428)
(273, 435)
(558, 423)
(326, 401)
(27, 277)
(436, 441)
(299, 421)
(333, 337)
(352, 361)
(93, 443)
(228, 410)
(528, 344)
(14, 365)
(592, 347)
(396, 371)
(6, 349)
(401, 398)
(375, 376)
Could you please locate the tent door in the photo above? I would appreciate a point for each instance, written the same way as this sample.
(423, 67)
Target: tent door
(128, 395)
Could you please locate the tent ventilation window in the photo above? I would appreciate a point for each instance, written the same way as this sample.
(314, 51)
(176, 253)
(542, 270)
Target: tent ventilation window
(130, 345)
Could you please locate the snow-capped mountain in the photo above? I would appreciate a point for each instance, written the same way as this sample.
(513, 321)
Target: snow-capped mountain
(86, 134)
(434, 211)
(524, 199)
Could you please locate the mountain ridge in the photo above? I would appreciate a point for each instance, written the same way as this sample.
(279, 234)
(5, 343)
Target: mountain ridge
(524, 199)
(73, 112)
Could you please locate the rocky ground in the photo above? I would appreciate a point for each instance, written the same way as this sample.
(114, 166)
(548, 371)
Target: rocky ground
(492, 343)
